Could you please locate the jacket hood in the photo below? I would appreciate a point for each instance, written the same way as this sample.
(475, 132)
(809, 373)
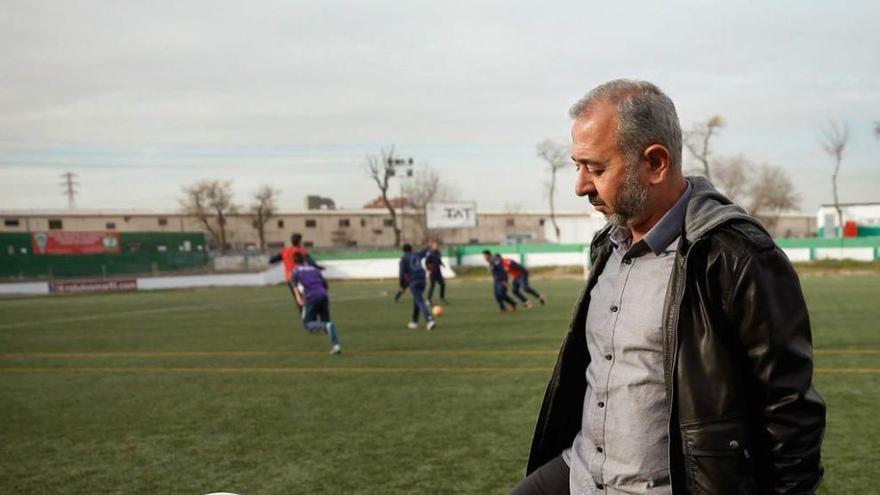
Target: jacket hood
(709, 209)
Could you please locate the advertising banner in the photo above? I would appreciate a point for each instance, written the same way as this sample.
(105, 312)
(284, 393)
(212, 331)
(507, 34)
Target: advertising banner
(75, 242)
(78, 286)
(451, 215)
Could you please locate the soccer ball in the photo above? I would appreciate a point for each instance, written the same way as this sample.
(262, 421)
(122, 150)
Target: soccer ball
(437, 311)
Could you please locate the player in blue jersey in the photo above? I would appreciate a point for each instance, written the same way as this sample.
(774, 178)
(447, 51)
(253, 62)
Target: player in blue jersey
(310, 290)
(412, 276)
(433, 262)
(499, 280)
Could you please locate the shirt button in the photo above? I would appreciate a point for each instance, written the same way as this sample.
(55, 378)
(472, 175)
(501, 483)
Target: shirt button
(599, 486)
(608, 357)
(599, 450)
(614, 309)
(601, 404)
(628, 261)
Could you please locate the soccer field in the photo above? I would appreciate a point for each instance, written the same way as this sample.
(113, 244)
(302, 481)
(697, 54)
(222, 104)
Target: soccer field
(190, 392)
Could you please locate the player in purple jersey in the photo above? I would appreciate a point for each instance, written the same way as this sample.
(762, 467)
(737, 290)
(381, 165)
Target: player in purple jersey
(310, 290)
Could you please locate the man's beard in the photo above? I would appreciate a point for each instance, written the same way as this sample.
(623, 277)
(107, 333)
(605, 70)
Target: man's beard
(631, 201)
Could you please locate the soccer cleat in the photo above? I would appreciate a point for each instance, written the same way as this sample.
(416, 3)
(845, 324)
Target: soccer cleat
(542, 301)
(431, 324)
(513, 308)
(412, 325)
(336, 350)
(528, 304)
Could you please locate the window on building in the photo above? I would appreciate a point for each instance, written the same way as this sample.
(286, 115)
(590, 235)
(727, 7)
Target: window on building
(473, 241)
(388, 222)
(363, 222)
(280, 224)
(11, 222)
(541, 222)
(344, 222)
(311, 223)
(56, 224)
(378, 231)
(110, 226)
(308, 244)
(510, 222)
(163, 221)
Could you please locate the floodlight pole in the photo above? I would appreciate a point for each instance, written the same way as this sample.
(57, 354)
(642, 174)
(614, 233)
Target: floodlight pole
(404, 165)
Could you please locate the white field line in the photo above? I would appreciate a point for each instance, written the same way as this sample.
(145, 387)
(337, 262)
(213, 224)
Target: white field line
(173, 309)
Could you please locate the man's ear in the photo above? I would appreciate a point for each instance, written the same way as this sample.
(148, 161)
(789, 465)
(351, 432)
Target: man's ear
(659, 161)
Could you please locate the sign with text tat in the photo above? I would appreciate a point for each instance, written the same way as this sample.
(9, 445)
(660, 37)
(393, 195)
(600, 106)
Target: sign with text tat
(75, 242)
(451, 215)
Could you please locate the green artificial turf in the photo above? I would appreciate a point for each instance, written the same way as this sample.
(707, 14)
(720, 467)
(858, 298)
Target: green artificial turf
(210, 390)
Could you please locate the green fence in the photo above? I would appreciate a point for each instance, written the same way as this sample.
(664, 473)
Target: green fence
(140, 252)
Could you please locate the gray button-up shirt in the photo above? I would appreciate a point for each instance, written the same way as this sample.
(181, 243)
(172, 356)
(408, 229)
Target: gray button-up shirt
(622, 447)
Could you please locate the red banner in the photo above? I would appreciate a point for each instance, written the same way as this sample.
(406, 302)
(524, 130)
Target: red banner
(75, 242)
(77, 286)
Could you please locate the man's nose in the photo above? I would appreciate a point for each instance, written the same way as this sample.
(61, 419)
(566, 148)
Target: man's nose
(584, 185)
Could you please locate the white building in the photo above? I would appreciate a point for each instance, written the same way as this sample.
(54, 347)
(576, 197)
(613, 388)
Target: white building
(866, 217)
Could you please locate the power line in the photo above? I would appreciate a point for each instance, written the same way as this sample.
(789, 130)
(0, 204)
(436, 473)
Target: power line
(70, 186)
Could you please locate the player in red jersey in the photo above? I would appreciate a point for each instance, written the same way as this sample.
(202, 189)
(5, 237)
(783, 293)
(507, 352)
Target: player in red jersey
(286, 256)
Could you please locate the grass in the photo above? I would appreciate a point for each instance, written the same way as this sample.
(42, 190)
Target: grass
(221, 390)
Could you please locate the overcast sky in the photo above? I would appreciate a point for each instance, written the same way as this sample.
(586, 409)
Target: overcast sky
(141, 97)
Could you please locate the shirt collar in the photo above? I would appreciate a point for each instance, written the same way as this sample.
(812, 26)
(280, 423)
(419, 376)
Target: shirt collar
(663, 232)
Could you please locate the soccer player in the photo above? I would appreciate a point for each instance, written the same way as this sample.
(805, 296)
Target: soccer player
(412, 276)
(499, 276)
(433, 261)
(310, 291)
(286, 255)
(520, 277)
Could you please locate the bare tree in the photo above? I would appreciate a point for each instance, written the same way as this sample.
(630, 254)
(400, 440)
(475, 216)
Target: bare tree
(210, 201)
(426, 187)
(557, 157)
(697, 141)
(262, 209)
(732, 176)
(771, 193)
(834, 139)
(381, 170)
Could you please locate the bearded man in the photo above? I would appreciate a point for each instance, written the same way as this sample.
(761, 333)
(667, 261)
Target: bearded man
(688, 364)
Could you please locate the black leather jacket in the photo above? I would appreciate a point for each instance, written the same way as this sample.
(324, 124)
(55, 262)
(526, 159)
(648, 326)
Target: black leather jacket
(744, 416)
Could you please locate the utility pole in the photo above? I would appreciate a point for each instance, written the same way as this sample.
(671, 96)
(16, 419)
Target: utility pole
(70, 186)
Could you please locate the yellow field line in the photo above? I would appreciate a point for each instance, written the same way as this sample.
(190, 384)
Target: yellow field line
(160, 354)
(346, 369)
(846, 351)
(846, 370)
(196, 354)
(291, 369)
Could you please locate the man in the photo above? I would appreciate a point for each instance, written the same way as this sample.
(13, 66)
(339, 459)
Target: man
(688, 365)
(412, 276)
(310, 291)
(520, 277)
(499, 282)
(286, 256)
(433, 261)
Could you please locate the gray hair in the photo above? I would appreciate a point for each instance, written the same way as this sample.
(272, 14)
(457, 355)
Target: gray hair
(645, 116)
